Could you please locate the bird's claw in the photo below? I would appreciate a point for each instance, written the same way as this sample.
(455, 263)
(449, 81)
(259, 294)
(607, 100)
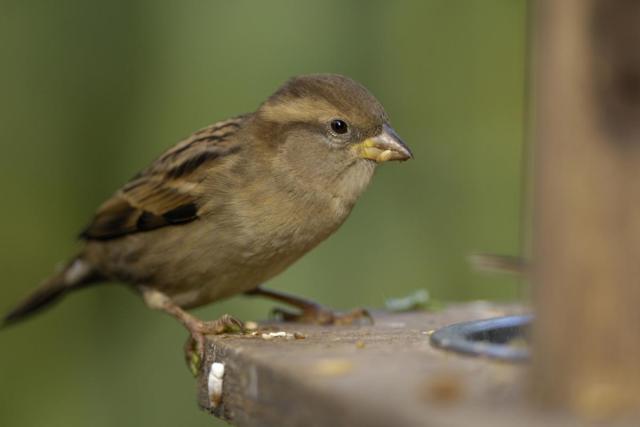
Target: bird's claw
(224, 324)
(323, 316)
(194, 347)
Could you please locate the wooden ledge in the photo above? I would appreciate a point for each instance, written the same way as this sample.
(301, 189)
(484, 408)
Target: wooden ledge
(386, 374)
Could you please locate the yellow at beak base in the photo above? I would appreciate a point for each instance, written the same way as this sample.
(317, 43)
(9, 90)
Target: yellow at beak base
(368, 149)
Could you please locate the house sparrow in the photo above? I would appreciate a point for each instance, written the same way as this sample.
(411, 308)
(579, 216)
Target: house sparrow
(235, 204)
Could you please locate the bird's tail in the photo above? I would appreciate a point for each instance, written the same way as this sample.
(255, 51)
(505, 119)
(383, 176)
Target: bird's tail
(74, 275)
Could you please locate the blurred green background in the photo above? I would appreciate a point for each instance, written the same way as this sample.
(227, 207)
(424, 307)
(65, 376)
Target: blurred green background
(92, 91)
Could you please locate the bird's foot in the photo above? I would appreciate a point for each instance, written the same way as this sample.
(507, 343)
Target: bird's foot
(319, 315)
(194, 347)
(311, 312)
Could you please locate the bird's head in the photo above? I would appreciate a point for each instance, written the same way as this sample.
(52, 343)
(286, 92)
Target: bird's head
(329, 129)
(328, 134)
(328, 117)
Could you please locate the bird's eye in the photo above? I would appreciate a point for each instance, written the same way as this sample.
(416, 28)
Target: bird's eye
(339, 126)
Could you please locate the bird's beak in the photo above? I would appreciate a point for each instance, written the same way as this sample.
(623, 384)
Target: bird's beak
(384, 147)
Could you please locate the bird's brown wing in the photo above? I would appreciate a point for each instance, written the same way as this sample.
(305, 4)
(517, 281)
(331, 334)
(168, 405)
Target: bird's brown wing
(167, 192)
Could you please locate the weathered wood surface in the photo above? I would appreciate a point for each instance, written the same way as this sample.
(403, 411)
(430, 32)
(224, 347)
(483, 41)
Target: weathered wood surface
(382, 375)
(587, 205)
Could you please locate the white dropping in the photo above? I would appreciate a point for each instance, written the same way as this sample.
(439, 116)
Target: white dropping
(214, 383)
(272, 335)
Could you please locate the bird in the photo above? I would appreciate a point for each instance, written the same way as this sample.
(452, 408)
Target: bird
(234, 205)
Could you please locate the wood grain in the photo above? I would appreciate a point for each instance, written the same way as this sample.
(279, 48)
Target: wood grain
(587, 206)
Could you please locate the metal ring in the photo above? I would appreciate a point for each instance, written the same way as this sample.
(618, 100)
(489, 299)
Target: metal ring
(487, 338)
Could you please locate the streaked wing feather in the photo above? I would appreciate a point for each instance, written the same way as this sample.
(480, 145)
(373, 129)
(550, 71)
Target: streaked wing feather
(166, 193)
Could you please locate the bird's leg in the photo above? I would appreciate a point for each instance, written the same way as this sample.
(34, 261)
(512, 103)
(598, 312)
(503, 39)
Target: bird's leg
(194, 348)
(310, 312)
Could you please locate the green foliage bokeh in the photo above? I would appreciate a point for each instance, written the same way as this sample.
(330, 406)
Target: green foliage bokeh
(92, 91)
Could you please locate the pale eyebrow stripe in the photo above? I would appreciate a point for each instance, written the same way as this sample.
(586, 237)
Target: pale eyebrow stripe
(298, 110)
